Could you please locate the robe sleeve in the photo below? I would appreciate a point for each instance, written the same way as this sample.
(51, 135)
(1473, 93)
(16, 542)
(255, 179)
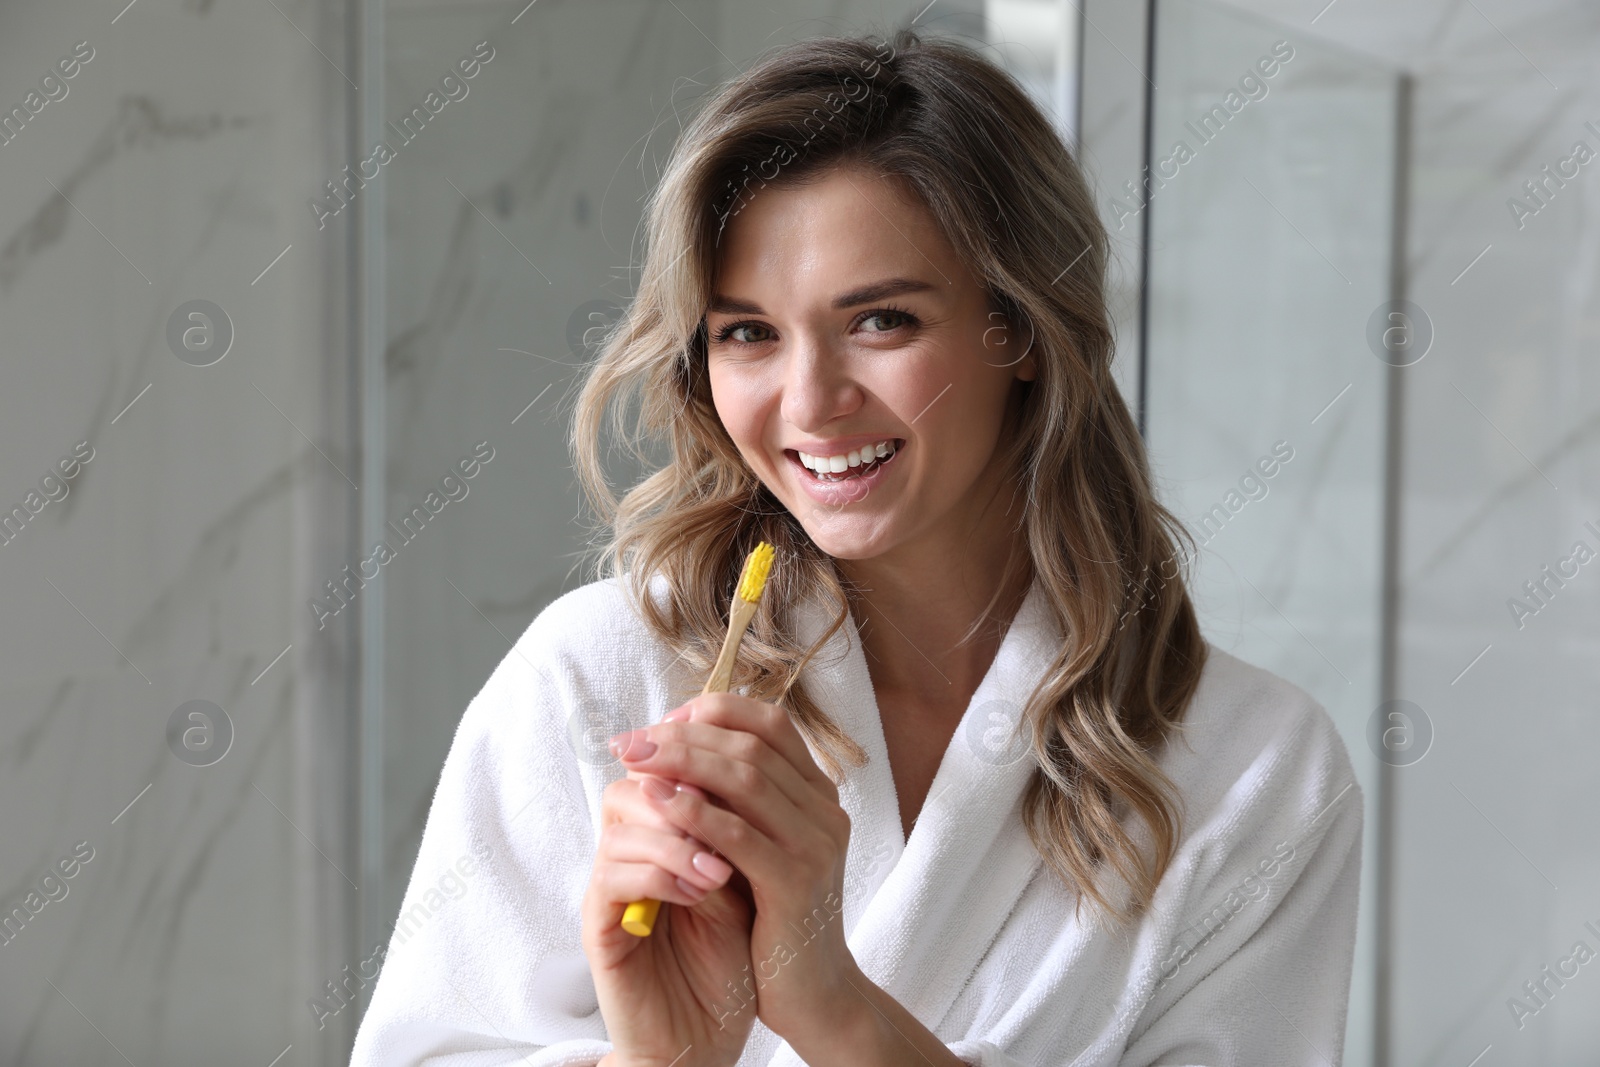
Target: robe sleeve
(1280, 998)
(1281, 995)
(485, 965)
(1237, 968)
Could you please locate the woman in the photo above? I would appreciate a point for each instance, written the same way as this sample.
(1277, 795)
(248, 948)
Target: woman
(982, 793)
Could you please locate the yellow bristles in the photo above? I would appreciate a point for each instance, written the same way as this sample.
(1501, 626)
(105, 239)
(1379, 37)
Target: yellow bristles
(754, 578)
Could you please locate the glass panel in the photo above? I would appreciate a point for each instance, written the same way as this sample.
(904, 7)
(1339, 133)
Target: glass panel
(1270, 233)
(1037, 41)
(510, 228)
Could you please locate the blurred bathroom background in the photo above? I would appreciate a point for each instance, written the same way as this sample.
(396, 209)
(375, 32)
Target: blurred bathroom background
(1372, 271)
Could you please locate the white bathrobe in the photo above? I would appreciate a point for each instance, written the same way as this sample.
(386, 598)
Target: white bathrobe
(1244, 959)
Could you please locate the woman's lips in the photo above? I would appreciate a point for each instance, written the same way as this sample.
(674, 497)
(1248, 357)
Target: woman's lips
(849, 490)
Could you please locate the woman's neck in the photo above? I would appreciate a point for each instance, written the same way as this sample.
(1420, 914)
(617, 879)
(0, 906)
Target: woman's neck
(915, 604)
(913, 620)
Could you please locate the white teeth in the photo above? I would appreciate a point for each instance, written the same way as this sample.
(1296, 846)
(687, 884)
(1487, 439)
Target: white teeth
(854, 458)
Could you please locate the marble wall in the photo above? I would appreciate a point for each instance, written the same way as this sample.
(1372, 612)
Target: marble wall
(182, 489)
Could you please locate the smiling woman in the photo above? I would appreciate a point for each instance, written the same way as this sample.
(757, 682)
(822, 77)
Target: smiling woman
(898, 354)
(893, 365)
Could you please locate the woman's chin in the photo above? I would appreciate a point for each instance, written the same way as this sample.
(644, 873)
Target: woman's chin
(840, 543)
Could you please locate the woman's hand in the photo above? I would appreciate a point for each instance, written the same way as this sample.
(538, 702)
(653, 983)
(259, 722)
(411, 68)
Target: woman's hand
(667, 994)
(780, 824)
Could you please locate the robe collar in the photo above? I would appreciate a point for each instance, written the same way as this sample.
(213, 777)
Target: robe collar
(920, 912)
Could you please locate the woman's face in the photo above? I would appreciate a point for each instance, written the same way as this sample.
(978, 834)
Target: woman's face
(842, 318)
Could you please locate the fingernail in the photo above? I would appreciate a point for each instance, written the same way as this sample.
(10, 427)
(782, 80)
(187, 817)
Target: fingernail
(676, 715)
(634, 746)
(711, 866)
(693, 890)
(657, 788)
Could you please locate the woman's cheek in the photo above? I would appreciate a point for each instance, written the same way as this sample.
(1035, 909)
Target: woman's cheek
(745, 429)
(746, 408)
(732, 407)
(740, 416)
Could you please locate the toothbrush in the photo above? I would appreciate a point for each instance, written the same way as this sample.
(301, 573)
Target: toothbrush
(639, 918)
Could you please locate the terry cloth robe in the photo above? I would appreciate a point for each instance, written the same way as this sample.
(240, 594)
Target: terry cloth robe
(1244, 959)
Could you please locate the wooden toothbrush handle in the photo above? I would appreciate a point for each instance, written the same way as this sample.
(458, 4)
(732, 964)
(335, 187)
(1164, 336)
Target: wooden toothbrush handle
(639, 918)
(722, 673)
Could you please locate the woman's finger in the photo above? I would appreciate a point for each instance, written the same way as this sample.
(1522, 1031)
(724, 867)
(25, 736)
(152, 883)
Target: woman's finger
(624, 805)
(640, 776)
(623, 802)
(620, 884)
(750, 851)
(739, 767)
(767, 721)
(681, 856)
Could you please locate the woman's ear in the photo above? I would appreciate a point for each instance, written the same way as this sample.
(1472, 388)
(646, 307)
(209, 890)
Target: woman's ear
(1027, 365)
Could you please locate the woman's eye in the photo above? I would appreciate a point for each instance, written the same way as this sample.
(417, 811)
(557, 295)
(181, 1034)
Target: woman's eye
(728, 332)
(885, 320)
(896, 319)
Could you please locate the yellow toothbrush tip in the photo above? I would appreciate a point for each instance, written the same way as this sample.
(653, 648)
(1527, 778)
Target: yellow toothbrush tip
(756, 568)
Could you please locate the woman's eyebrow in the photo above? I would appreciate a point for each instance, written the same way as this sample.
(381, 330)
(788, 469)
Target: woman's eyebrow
(866, 294)
(879, 290)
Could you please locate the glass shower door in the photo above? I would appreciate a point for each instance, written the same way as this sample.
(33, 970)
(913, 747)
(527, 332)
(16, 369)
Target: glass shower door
(1270, 196)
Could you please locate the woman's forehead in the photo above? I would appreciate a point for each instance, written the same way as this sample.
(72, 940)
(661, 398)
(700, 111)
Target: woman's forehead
(845, 223)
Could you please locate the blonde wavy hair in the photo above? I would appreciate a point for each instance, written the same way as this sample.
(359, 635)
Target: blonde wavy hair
(1011, 199)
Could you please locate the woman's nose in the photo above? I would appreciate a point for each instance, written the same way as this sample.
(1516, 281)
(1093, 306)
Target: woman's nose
(817, 387)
